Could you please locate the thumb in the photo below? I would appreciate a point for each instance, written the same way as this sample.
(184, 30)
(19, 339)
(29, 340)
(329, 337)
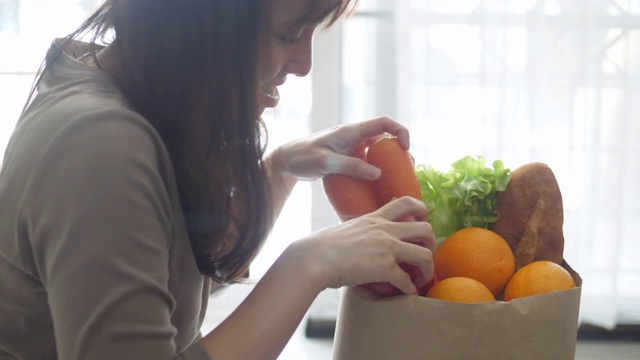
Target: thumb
(357, 168)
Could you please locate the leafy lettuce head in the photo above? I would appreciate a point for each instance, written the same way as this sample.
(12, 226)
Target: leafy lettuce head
(464, 196)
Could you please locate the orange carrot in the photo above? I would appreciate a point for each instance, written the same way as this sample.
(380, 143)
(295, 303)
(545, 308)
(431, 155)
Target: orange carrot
(349, 197)
(398, 172)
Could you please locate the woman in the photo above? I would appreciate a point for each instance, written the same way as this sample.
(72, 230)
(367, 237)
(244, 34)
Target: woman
(136, 176)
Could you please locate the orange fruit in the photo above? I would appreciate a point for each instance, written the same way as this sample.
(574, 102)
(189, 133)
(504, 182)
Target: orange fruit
(538, 277)
(461, 289)
(476, 253)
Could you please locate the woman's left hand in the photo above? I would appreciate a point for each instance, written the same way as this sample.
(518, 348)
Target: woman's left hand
(330, 151)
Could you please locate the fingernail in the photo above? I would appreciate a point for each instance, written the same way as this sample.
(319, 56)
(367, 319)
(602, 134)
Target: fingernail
(374, 173)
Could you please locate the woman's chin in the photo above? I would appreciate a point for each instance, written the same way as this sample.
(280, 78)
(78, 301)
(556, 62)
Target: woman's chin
(263, 108)
(271, 103)
(271, 99)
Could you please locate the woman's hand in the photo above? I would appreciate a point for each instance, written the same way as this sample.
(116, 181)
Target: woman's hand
(369, 248)
(329, 151)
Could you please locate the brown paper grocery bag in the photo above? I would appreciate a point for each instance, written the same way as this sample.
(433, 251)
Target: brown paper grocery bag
(412, 327)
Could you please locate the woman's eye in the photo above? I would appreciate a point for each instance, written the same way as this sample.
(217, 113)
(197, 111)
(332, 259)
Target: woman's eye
(291, 36)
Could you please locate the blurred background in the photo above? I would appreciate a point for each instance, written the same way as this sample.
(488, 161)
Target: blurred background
(520, 81)
(553, 81)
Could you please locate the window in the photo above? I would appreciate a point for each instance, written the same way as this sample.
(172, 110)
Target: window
(9, 16)
(520, 81)
(27, 28)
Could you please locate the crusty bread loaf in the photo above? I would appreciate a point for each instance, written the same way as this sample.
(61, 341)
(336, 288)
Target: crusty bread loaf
(530, 215)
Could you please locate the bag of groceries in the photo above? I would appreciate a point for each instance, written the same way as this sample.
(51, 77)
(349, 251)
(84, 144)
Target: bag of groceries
(502, 288)
(413, 327)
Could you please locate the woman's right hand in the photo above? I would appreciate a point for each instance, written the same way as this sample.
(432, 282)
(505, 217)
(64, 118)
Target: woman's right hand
(362, 250)
(368, 248)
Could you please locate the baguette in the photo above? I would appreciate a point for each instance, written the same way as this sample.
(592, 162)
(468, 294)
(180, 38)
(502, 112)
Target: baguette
(530, 215)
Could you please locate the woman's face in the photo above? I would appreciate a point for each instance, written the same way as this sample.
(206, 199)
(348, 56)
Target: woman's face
(284, 49)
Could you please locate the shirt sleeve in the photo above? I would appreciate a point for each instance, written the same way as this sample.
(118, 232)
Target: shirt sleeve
(99, 221)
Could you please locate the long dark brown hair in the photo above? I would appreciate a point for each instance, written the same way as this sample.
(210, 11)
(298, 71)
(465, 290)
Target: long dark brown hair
(189, 67)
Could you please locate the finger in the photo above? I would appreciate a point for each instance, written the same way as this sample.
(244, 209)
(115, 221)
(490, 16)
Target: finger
(349, 153)
(376, 127)
(403, 208)
(409, 215)
(352, 166)
(427, 237)
(400, 279)
(414, 232)
(370, 140)
(419, 256)
(426, 274)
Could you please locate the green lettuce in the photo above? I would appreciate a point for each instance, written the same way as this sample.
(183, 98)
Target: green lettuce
(464, 196)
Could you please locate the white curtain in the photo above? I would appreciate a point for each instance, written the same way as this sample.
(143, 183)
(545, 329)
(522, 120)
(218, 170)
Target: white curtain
(554, 81)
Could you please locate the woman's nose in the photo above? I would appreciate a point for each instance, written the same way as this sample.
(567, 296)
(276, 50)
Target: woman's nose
(300, 61)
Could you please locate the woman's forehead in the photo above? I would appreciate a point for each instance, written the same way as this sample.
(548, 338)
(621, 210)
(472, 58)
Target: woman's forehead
(286, 12)
(291, 13)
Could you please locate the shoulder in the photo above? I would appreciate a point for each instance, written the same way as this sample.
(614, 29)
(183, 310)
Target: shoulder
(83, 112)
(92, 108)
(79, 140)
(82, 128)
(73, 97)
